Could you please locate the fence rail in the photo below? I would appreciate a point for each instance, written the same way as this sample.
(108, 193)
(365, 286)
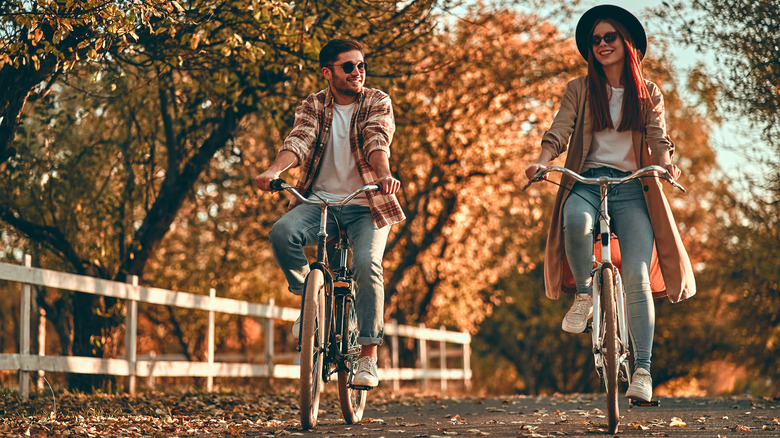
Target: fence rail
(133, 366)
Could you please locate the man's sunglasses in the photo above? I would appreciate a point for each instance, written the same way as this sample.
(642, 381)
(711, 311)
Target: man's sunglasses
(608, 38)
(349, 66)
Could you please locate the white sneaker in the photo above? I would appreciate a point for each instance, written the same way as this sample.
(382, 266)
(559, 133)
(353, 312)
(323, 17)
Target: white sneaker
(366, 374)
(576, 319)
(296, 329)
(641, 387)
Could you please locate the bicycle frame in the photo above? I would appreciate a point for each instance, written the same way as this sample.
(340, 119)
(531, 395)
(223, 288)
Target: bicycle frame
(605, 238)
(599, 335)
(335, 338)
(342, 270)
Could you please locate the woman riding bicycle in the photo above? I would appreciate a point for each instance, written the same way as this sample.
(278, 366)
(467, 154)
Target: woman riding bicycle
(612, 122)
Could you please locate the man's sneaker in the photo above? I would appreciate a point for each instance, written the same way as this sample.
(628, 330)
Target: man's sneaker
(366, 373)
(296, 330)
(576, 320)
(641, 387)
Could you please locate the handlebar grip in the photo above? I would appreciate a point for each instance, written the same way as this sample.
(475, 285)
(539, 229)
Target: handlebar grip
(540, 175)
(668, 177)
(277, 184)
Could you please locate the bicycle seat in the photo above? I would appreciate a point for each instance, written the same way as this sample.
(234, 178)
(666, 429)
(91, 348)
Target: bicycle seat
(334, 240)
(657, 284)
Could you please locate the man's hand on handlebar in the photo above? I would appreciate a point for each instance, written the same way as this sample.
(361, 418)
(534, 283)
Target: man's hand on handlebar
(388, 185)
(263, 181)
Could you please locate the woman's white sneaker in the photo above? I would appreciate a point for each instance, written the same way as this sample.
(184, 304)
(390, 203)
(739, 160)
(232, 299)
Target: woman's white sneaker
(641, 387)
(576, 319)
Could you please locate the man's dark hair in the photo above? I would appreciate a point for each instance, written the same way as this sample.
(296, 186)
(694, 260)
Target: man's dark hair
(336, 47)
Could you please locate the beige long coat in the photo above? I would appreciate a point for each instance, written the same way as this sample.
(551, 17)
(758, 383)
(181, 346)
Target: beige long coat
(671, 273)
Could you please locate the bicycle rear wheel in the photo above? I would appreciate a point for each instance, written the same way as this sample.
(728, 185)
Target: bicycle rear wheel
(312, 338)
(353, 401)
(609, 347)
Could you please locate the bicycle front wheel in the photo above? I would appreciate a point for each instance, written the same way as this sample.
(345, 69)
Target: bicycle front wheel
(312, 352)
(609, 347)
(353, 401)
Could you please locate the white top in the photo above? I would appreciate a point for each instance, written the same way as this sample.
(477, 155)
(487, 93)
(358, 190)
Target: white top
(338, 176)
(611, 148)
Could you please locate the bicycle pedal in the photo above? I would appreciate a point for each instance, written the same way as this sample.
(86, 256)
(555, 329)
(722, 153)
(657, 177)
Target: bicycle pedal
(642, 403)
(361, 388)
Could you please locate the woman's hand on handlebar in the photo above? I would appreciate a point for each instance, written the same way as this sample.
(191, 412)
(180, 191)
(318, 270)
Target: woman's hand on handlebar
(388, 185)
(673, 170)
(541, 163)
(532, 170)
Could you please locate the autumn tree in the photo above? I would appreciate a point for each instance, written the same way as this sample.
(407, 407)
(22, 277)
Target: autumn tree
(42, 40)
(122, 142)
(742, 37)
(741, 86)
(463, 123)
(468, 115)
(447, 152)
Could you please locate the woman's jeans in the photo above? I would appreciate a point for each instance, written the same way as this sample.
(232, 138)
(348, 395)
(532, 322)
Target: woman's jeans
(299, 227)
(631, 223)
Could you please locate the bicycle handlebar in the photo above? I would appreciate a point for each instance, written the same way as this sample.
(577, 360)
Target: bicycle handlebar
(664, 175)
(279, 184)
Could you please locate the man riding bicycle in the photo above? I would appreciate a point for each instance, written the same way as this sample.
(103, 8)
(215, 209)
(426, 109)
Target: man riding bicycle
(341, 137)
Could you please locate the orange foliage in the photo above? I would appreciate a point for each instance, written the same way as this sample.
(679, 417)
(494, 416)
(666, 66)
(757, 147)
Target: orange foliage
(469, 119)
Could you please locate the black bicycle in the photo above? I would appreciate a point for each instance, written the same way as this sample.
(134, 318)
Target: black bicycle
(328, 331)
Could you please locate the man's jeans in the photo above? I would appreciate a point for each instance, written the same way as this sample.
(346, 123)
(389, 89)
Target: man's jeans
(630, 221)
(299, 227)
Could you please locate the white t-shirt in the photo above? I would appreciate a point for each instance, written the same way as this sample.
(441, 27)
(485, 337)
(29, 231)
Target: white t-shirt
(611, 148)
(339, 176)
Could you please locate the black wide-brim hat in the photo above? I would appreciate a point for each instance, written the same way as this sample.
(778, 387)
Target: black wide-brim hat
(622, 16)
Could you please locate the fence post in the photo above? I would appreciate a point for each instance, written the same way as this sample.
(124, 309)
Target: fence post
(24, 333)
(467, 362)
(131, 333)
(443, 358)
(41, 342)
(150, 381)
(210, 352)
(269, 340)
(424, 358)
(394, 362)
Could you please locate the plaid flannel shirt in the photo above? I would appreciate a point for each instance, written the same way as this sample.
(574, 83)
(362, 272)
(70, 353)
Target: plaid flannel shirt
(371, 130)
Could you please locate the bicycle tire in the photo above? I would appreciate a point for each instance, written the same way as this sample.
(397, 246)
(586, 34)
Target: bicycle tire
(353, 401)
(610, 348)
(312, 338)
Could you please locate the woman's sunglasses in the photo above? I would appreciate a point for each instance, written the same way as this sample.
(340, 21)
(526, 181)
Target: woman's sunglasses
(608, 38)
(349, 66)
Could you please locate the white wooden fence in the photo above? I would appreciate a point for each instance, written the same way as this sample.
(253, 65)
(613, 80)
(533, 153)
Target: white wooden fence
(133, 366)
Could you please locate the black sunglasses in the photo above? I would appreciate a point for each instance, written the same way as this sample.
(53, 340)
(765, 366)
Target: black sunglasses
(608, 38)
(349, 66)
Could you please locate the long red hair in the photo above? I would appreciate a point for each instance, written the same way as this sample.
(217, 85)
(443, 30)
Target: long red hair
(635, 95)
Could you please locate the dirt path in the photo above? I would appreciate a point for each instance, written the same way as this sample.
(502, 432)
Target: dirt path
(577, 415)
(275, 414)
